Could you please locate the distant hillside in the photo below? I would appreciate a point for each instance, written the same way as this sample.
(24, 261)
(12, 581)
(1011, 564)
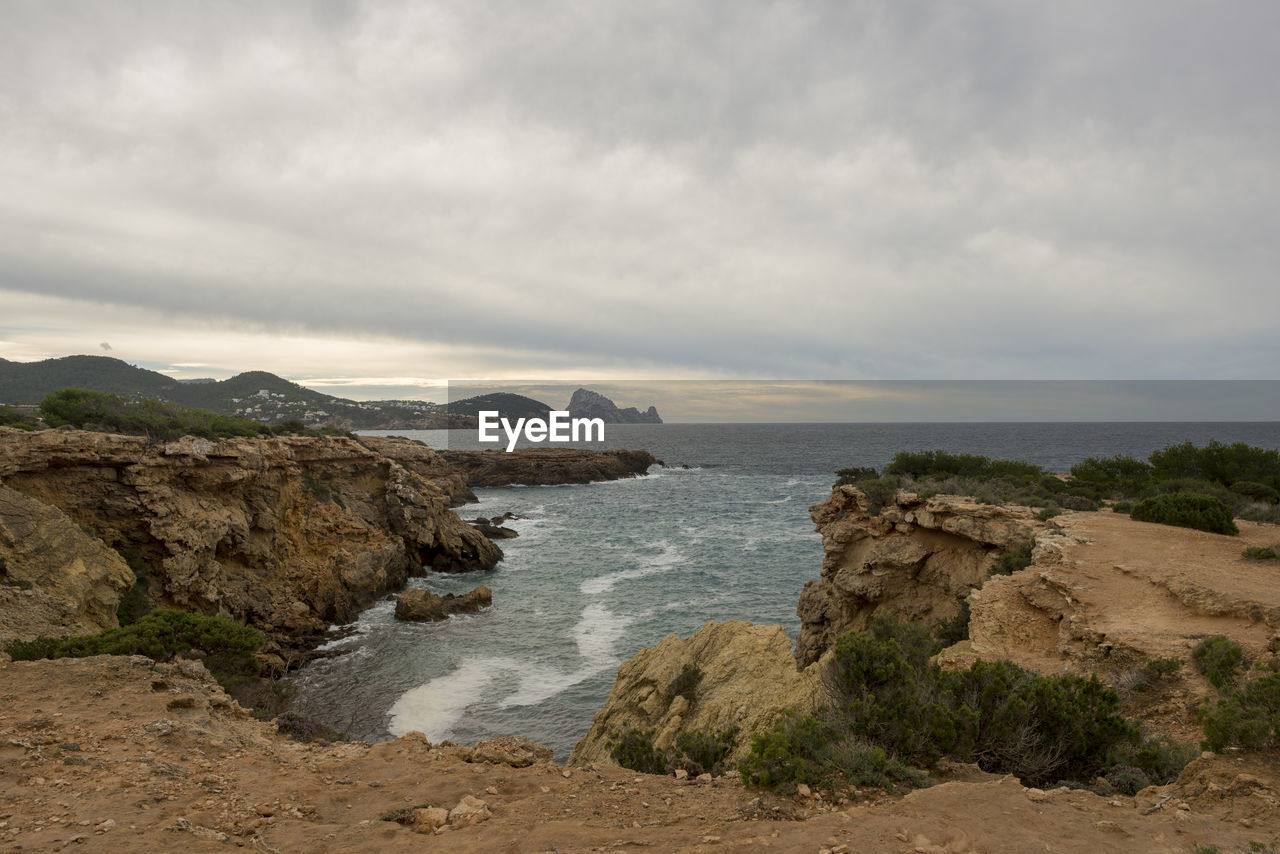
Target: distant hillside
(258, 395)
(510, 405)
(30, 382)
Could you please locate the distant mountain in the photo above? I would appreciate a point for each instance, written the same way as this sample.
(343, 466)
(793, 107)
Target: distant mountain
(589, 404)
(510, 405)
(258, 395)
(30, 382)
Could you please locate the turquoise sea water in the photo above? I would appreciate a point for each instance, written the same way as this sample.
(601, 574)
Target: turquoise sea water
(601, 570)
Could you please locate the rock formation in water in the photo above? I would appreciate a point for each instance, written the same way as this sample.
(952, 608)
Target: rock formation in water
(748, 679)
(534, 466)
(288, 534)
(589, 404)
(423, 606)
(916, 560)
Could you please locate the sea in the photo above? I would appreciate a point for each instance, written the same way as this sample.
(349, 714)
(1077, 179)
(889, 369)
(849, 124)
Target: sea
(599, 571)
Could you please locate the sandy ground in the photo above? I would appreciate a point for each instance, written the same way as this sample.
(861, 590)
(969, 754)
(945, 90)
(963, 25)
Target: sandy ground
(120, 754)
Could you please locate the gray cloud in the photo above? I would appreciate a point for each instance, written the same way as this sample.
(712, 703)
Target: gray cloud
(868, 189)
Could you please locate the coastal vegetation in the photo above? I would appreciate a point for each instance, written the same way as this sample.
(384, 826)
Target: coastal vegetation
(889, 707)
(1242, 481)
(95, 410)
(226, 647)
(11, 417)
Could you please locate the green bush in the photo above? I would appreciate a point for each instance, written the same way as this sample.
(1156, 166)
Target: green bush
(791, 752)
(227, 647)
(135, 603)
(685, 684)
(885, 691)
(1247, 717)
(634, 749)
(1187, 510)
(954, 630)
(1014, 559)
(1259, 491)
(1122, 507)
(10, 417)
(701, 751)
(1157, 669)
(695, 751)
(1110, 478)
(1219, 659)
(85, 409)
(1219, 463)
(1263, 552)
(856, 474)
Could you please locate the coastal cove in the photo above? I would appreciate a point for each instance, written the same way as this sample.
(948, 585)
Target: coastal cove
(601, 570)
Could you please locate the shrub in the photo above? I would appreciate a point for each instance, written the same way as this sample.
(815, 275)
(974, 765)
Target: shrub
(1260, 491)
(1263, 552)
(10, 417)
(856, 474)
(1122, 507)
(82, 408)
(1187, 510)
(226, 646)
(789, 753)
(1107, 478)
(885, 691)
(1015, 559)
(1127, 779)
(696, 751)
(685, 684)
(1219, 463)
(1161, 668)
(701, 751)
(1049, 512)
(1218, 658)
(879, 491)
(135, 604)
(1244, 717)
(634, 749)
(954, 630)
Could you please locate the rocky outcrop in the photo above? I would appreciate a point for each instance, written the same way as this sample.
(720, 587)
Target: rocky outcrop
(748, 679)
(56, 579)
(1105, 593)
(424, 461)
(917, 560)
(423, 606)
(493, 527)
(547, 466)
(289, 534)
(589, 404)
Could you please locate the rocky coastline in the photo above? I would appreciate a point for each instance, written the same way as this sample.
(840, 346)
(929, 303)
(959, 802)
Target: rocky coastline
(288, 534)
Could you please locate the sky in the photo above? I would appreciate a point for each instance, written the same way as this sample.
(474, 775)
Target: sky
(370, 198)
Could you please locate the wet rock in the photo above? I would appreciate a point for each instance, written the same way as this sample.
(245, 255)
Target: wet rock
(423, 606)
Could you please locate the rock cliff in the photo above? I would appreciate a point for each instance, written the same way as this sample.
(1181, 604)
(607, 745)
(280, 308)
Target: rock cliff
(534, 466)
(54, 578)
(748, 679)
(916, 560)
(288, 534)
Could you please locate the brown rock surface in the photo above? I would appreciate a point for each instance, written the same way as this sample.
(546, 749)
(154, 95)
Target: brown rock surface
(748, 679)
(1104, 593)
(92, 751)
(73, 581)
(289, 534)
(423, 606)
(535, 466)
(425, 461)
(916, 560)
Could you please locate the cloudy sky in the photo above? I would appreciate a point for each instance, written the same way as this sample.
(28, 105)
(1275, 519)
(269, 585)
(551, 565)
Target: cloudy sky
(366, 197)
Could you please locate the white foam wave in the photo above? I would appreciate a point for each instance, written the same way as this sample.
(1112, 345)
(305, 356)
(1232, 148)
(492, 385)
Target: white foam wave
(433, 708)
(669, 558)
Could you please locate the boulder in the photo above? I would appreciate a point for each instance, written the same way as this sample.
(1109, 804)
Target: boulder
(423, 606)
(513, 750)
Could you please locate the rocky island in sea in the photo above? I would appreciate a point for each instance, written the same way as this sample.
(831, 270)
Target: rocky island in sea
(289, 534)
